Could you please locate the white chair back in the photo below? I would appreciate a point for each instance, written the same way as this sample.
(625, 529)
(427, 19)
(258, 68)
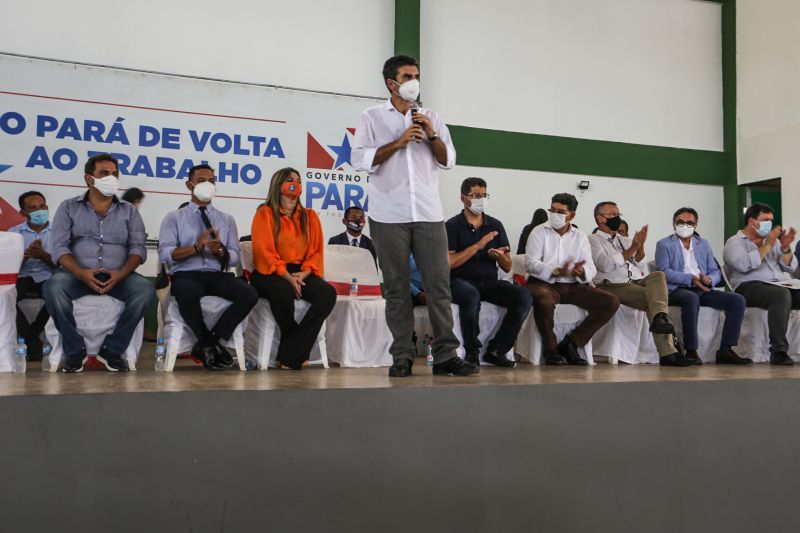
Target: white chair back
(246, 257)
(726, 275)
(12, 247)
(343, 263)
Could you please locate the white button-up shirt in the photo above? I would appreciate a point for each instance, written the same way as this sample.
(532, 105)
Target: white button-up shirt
(547, 250)
(611, 265)
(405, 187)
(690, 265)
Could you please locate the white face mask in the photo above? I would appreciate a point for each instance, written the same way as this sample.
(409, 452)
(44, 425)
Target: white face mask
(408, 91)
(684, 231)
(478, 205)
(204, 191)
(107, 186)
(557, 220)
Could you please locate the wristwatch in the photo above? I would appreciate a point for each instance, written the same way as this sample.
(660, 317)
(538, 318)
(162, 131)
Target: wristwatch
(433, 137)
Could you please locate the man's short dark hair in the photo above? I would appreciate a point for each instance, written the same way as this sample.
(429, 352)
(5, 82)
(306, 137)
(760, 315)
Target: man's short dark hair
(469, 183)
(91, 163)
(393, 64)
(28, 194)
(683, 210)
(352, 208)
(201, 166)
(756, 209)
(133, 195)
(567, 199)
(600, 206)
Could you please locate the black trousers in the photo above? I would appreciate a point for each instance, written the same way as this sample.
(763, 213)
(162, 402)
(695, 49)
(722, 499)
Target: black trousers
(297, 340)
(189, 287)
(30, 331)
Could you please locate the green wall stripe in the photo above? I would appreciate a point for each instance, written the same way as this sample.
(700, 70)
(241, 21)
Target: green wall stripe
(406, 27)
(527, 151)
(734, 195)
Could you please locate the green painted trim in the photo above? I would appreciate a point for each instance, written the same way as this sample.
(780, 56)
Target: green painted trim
(406, 28)
(528, 151)
(734, 195)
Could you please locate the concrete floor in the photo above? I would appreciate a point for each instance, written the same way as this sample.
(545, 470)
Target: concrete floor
(189, 376)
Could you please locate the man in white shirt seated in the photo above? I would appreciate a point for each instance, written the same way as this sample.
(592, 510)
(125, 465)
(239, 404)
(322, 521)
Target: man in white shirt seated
(558, 259)
(620, 264)
(758, 256)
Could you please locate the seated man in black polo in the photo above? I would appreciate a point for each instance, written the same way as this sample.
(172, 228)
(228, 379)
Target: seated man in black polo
(477, 244)
(354, 221)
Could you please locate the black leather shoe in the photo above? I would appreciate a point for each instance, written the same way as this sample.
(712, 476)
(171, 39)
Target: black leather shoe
(662, 325)
(492, 357)
(401, 368)
(207, 355)
(674, 359)
(73, 363)
(114, 362)
(223, 356)
(473, 359)
(553, 358)
(693, 357)
(729, 357)
(454, 367)
(569, 351)
(780, 358)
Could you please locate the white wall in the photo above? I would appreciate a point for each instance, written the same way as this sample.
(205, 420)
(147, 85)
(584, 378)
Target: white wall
(768, 70)
(328, 46)
(516, 194)
(636, 71)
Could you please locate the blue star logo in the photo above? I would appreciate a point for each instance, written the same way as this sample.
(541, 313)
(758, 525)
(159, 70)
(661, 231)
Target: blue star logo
(342, 152)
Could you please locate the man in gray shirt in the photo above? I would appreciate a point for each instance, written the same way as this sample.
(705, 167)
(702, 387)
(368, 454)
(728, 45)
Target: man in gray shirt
(98, 241)
(757, 256)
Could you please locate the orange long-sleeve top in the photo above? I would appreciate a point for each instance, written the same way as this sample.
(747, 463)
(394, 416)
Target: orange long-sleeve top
(292, 246)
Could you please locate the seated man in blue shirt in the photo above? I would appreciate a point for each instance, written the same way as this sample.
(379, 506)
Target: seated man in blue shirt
(37, 267)
(477, 244)
(757, 256)
(200, 243)
(692, 273)
(98, 241)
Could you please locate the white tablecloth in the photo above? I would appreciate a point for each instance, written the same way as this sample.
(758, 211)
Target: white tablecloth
(566, 318)
(357, 335)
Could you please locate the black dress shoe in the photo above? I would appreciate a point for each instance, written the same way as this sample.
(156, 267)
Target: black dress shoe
(114, 362)
(401, 368)
(569, 351)
(207, 355)
(553, 358)
(662, 325)
(492, 357)
(73, 363)
(472, 358)
(674, 359)
(454, 366)
(693, 357)
(223, 356)
(781, 359)
(729, 357)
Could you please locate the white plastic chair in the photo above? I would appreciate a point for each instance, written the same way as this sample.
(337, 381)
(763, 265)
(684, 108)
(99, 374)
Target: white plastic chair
(262, 335)
(180, 338)
(12, 248)
(357, 334)
(626, 337)
(96, 316)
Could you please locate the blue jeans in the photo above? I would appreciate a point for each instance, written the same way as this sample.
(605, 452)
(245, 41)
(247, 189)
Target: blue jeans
(467, 295)
(62, 288)
(690, 300)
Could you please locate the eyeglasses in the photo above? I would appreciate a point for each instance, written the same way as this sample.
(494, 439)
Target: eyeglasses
(684, 223)
(478, 195)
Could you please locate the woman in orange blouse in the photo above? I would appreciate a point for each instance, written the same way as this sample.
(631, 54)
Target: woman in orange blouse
(287, 255)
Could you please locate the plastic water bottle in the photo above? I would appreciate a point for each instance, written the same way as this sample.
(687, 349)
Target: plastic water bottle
(20, 355)
(46, 349)
(161, 355)
(354, 288)
(429, 352)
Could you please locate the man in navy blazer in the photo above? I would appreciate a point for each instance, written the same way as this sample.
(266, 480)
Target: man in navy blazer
(354, 221)
(692, 272)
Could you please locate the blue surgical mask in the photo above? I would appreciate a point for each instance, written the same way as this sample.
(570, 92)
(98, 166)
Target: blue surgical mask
(764, 227)
(39, 218)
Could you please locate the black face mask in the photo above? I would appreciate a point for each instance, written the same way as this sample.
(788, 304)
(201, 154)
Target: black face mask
(613, 223)
(355, 226)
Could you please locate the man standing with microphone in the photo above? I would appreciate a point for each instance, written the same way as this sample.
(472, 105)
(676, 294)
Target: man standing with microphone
(402, 146)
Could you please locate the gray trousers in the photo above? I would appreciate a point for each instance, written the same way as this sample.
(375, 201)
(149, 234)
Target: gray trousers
(428, 242)
(778, 302)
